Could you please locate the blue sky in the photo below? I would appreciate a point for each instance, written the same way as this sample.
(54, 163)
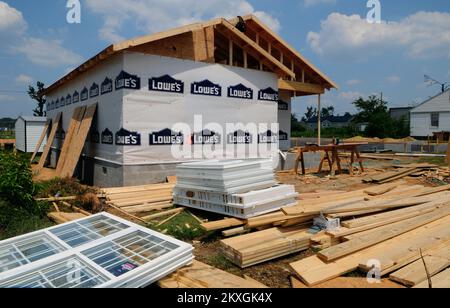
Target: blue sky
(362, 58)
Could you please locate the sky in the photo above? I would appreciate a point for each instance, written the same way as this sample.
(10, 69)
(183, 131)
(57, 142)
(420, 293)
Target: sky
(391, 57)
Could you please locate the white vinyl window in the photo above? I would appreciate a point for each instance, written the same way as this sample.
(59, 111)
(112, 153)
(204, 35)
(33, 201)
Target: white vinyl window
(99, 251)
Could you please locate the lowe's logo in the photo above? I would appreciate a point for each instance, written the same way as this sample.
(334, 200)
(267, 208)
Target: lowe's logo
(127, 81)
(206, 87)
(107, 137)
(239, 137)
(283, 136)
(166, 84)
(68, 99)
(62, 102)
(206, 137)
(84, 94)
(268, 137)
(94, 91)
(240, 91)
(268, 94)
(166, 137)
(75, 97)
(125, 137)
(107, 86)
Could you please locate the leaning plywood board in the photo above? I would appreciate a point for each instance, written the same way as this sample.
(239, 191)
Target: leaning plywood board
(439, 281)
(48, 145)
(200, 275)
(77, 144)
(415, 273)
(74, 125)
(41, 139)
(401, 249)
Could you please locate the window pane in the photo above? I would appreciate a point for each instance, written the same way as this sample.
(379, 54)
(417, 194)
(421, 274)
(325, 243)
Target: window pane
(80, 233)
(129, 252)
(72, 273)
(26, 251)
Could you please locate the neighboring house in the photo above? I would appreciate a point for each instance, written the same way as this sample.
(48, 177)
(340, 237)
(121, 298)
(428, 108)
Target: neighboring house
(28, 132)
(331, 122)
(432, 116)
(400, 113)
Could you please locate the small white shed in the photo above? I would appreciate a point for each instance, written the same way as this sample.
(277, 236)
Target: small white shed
(28, 132)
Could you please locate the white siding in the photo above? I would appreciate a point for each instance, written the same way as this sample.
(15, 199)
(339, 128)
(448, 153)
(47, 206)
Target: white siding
(439, 103)
(20, 134)
(34, 132)
(421, 124)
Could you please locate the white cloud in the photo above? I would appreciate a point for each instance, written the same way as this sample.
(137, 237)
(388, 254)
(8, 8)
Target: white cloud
(350, 95)
(43, 52)
(353, 82)
(423, 34)
(24, 79)
(309, 3)
(47, 53)
(11, 19)
(393, 79)
(154, 15)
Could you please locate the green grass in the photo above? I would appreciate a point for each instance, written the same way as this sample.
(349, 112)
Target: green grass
(183, 227)
(7, 135)
(15, 221)
(220, 261)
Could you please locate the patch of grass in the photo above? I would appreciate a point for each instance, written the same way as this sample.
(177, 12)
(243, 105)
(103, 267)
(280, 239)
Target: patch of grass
(183, 227)
(440, 161)
(220, 261)
(64, 187)
(16, 221)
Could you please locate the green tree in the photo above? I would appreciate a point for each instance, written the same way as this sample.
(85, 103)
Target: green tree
(310, 113)
(296, 126)
(374, 112)
(327, 112)
(34, 93)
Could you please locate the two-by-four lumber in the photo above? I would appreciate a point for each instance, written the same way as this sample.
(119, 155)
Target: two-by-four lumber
(222, 224)
(48, 145)
(72, 131)
(77, 145)
(41, 139)
(414, 273)
(392, 254)
(162, 214)
(381, 189)
(381, 234)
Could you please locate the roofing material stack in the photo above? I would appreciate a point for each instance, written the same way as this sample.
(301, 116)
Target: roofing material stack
(238, 188)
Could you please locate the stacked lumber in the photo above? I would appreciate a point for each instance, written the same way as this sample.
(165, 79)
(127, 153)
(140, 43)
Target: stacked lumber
(61, 217)
(140, 201)
(395, 235)
(254, 248)
(404, 171)
(200, 275)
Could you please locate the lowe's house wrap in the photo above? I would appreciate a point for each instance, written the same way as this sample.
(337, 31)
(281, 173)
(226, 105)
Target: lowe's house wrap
(173, 97)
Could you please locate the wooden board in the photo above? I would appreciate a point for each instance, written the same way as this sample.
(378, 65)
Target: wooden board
(381, 234)
(41, 139)
(222, 224)
(200, 275)
(48, 145)
(392, 254)
(76, 146)
(60, 217)
(348, 283)
(439, 281)
(414, 273)
(72, 131)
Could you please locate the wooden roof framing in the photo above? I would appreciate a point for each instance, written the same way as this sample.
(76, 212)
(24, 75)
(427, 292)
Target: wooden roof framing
(296, 74)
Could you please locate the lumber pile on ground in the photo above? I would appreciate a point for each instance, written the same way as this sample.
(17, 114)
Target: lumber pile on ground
(61, 217)
(402, 171)
(140, 201)
(408, 221)
(200, 275)
(254, 248)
